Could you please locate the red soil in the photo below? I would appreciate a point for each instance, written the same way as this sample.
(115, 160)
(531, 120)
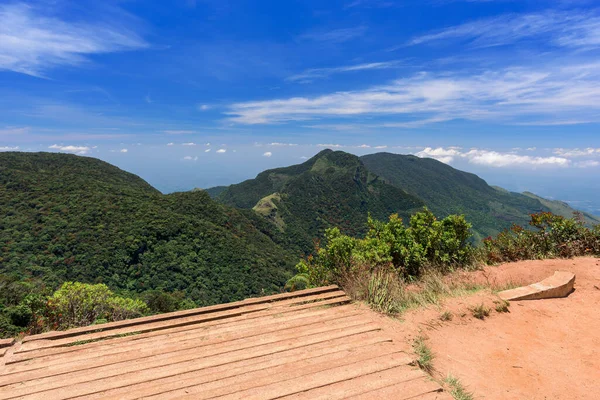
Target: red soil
(541, 349)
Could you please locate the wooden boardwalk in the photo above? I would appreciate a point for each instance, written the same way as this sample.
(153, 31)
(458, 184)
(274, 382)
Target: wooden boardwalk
(310, 344)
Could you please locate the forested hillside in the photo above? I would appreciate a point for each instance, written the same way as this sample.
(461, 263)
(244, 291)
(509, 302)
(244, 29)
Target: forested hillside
(447, 191)
(330, 189)
(72, 218)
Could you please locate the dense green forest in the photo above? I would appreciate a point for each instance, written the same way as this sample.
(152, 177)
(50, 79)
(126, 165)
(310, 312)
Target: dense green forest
(447, 191)
(330, 189)
(71, 218)
(296, 198)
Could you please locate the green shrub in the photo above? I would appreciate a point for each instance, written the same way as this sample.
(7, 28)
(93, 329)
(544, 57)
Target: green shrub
(80, 304)
(427, 243)
(550, 236)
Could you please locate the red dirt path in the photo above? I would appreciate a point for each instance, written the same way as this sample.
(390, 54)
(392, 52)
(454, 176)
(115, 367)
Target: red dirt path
(542, 349)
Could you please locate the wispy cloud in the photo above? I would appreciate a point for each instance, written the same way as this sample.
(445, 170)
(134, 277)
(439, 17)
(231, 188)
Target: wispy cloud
(9, 148)
(491, 158)
(558, 28)
(508, 96)
(32, 42)
(319, 73)
(179, 132)
(222, 151)
(267, 154)
(10, 131)
(336, 35)
(70, 148)
(577, 152)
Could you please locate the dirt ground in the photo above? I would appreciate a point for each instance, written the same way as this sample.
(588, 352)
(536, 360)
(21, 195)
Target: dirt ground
(541, 349)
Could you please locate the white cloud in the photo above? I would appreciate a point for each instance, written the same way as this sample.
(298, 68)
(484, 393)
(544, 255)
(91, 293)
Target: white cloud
(190, 158)
(267, 154)
(491, 158)
(282, 144)
(587, 164)
(207, 151)
(317, 73)
(577, 152)
(8, 148)
(123, 151)
(204, 107)
(188, 144)
(380, 147)
(558, 28)
(329, 145)
(222, 151)
(170, 144)
(441, 154)
(496, 159)
(70, 149)
(507, 96)
(32, 42)
(179, 132)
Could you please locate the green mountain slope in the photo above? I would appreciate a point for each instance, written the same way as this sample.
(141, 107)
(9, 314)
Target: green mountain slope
(561, 208)
(67, 217)
(447, 190)
(330, 189)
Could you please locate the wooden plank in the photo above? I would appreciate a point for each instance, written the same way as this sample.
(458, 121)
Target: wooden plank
(15, 385)
(290, 304)
(202, 339)
(215, 379)
(282, 376)
(179, 314)
(411, 389)
(128, 390)
(401, 376)
(315, 380)
(51, 356)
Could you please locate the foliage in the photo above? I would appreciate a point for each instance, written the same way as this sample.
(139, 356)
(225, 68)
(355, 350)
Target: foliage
(480, 311)
(427, 243)
(502, 306)
(72, 218)
(448, 191)
(332, 189)
(78, 304)
(424, 354)
(457, 390)
(550, 236)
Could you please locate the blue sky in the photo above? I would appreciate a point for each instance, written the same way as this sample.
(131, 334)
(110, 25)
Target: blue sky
(198, 93)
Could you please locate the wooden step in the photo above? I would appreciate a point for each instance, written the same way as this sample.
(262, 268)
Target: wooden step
(179, 314)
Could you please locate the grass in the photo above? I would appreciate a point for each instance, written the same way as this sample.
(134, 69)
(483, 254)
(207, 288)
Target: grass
(502, 306)
(424, 354)
(385, 292)
(480, 311)
(446, 316)
(457, 390)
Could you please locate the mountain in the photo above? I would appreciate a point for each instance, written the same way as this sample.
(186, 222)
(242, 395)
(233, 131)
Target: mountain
(338, 189)
(561, 208)
(331, 189)
(447, 190)
(68, 217)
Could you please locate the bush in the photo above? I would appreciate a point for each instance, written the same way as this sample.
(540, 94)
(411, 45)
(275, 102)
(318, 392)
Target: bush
(427, 243)
(79, 304)
(550, 236)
